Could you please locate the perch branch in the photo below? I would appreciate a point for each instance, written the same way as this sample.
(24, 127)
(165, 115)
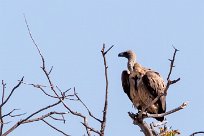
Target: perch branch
(166, 113)
(142, 124)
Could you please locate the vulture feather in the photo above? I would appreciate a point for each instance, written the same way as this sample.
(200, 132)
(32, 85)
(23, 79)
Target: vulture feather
(143, 85)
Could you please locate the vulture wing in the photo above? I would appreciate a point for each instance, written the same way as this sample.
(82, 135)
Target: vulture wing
(155, 85)
(125, 83)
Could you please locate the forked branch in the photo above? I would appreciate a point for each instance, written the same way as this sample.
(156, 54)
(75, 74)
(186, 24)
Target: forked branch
(26, 120)
(12, 91)
(103, 124)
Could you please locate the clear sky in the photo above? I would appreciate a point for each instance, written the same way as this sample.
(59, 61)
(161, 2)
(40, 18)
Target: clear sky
(70, 35)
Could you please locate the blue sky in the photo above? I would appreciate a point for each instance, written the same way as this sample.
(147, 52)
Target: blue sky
(70, 34)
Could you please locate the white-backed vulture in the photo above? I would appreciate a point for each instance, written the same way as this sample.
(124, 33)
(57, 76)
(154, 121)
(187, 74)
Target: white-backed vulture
(143, 85)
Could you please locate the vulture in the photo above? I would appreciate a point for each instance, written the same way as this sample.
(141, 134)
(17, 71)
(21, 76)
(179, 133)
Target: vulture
(143, 85)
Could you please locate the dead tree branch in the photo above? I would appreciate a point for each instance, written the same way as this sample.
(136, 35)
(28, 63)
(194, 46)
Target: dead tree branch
(55, 128)
(12, 91)
(4, 101)
(3, 90)
(62, 95)
(43, 60)
(148, 115)
(10, 114)
(51, 85)
(90, 113)
(172, 63)
(195, 133)
(166, 113)
(103, 124)
(148, 130)
(41, 87)
(184, 105)
(142, 124)
(44, 116)
(26, 120)
(91, 129)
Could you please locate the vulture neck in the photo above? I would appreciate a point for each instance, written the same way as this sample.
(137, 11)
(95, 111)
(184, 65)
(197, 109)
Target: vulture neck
(130, 64)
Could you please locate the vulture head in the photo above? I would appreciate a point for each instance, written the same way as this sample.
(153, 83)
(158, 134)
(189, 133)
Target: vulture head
(131, 56)
(128, 54)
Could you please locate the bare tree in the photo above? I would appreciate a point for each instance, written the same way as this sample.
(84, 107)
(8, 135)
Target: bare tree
(61, 97)
(64, 97)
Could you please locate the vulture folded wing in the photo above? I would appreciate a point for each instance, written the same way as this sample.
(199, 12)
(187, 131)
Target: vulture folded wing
(155, 85)
(126, 83)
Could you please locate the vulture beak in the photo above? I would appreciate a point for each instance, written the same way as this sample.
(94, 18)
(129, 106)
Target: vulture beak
(121, 54)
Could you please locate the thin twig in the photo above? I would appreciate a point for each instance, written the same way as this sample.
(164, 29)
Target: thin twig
(63, 120)
(108, 49)
(86, 107)
(169, 82)
(34, 85)
(44, 116)
(2, 100)
(43, 60)
(41, 88)
(55, 128)
(79, 115)
(10, 114)
(91, 129)
(1, 122)
(172, 63)
(3, 90)
(50, 70)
